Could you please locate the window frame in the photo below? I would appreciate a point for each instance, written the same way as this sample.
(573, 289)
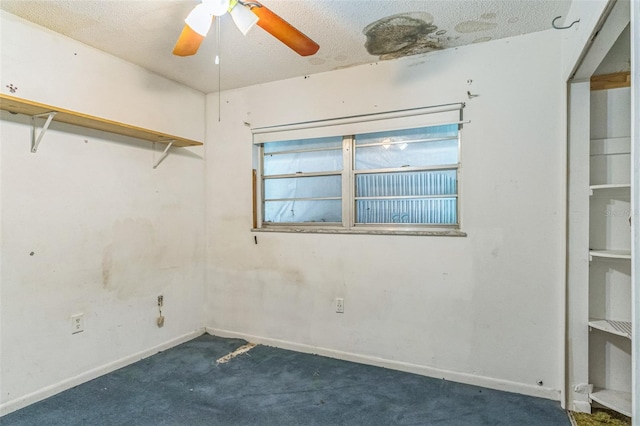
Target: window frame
(355, 125)
(349, 209)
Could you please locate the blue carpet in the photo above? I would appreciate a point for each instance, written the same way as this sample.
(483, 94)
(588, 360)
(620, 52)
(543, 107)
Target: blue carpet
(269, 386)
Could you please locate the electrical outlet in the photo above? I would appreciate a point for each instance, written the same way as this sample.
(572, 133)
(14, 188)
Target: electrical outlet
(77, 323)
(160, 300)
(339, 305)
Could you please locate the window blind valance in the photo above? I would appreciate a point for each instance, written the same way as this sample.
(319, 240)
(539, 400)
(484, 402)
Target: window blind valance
(359, 124)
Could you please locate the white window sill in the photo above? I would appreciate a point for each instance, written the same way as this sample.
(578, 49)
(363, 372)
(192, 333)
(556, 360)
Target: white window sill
(365, 231)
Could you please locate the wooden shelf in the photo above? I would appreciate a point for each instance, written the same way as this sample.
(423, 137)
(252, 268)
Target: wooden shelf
(616, 400)
(611, 81)
(23, 106)
(611, 254)
(619, 328)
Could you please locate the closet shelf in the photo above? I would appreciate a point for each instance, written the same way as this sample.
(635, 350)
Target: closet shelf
(611, 186)
(22, 106)
(620, 145)
(611, 81)
(612, 139)
(616, 400)
(619, 328)
(611, 254)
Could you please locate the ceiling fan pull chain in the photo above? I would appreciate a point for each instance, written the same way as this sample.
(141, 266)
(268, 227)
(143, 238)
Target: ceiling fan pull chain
(217, 61)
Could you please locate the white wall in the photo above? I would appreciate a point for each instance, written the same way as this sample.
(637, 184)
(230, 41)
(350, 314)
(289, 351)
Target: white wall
(88, 226)
(55, 70)
(485, 309)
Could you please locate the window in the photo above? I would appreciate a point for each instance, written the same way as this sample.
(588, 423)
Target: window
(407, 177)
(394, 180)
(302, 181)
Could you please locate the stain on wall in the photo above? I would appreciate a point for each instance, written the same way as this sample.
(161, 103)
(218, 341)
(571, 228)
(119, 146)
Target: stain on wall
(402, 35)
(131, 262)
(481, 39)
(107, 264)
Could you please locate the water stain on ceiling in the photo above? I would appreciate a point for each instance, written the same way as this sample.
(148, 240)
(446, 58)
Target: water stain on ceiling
(475, 26)
(413, 33)
(401, 35)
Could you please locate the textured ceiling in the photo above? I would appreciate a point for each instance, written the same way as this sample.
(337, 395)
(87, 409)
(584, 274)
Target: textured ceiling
(144, 31)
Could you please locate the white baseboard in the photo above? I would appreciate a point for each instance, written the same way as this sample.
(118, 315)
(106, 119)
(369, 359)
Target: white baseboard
(581, 406)
(39, 395)
(466, 378)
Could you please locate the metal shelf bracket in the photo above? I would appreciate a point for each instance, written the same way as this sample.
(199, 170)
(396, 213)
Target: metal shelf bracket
(165, 153)
(35, 140)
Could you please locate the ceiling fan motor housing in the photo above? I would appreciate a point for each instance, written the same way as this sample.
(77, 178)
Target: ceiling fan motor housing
(216, 7)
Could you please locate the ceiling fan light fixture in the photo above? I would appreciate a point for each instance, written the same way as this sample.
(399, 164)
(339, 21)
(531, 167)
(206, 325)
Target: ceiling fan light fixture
(244, 18)
(199, 20)
(217, 7)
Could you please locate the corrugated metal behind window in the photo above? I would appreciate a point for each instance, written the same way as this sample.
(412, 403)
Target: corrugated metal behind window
(440, 210)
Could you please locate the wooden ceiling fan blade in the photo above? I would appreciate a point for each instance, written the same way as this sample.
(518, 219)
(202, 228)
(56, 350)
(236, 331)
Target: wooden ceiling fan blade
(197, 25)
(284, 31)
(188, 42)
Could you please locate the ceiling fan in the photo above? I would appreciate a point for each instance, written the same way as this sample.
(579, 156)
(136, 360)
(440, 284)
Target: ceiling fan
(245, 14)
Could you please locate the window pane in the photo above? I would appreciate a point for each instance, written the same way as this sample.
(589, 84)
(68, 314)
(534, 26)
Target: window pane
(418, 211)
(304, 162)
(332, 142)
(303, 211)
(412, 155)
(303, 187)
(433, 132)
(393, 152)
(440, 182)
